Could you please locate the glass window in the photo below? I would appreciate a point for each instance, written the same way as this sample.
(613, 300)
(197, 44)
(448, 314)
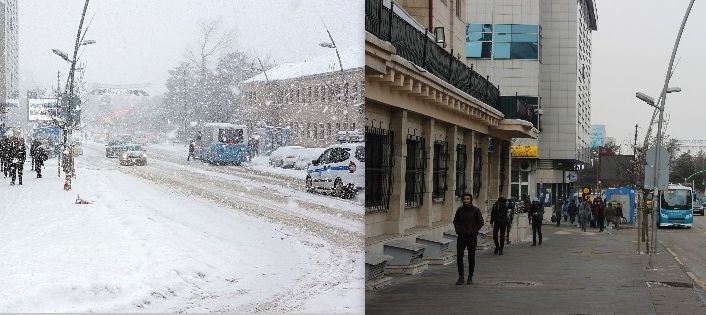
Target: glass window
(474, 49)
(479, 37)
(503, 28)
(487, 28)
(524, 38)
(486, 50)
(523, 51)
(525, 28)
(502, 50)
(503, 37)
(474, 28)
(525, 176)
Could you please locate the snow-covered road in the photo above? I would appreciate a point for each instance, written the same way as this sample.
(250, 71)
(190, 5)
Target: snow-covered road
(172, 237)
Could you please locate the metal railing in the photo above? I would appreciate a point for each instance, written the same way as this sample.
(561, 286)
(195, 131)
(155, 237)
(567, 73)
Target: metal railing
(415, 46)
(514, 107)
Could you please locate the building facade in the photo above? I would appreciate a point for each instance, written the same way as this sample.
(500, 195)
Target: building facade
(540, 50)
(433, 129)
(691, 145)
(9, 73)
(314, 99)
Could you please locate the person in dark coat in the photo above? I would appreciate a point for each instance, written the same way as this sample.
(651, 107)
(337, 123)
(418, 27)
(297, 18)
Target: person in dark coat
(32, 152)
(18, 156)
(498, 220)
(510, 216)
(5, 146)
(467, 222)
(536, 215)
(40, 155)
(192, 148)
(618, 215)
(600, 213)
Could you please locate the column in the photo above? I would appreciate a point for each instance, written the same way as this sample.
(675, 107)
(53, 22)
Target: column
(398, 124)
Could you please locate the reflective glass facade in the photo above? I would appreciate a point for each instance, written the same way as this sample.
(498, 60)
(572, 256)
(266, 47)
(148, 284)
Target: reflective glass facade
(512, 41)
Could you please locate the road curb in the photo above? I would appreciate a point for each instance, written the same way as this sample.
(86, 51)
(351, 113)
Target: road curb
(690, 274)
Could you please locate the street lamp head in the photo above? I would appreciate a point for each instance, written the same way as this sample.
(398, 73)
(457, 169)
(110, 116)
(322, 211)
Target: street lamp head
(674, 89)
(61, 54)
(327, 45)
(88, 42)
(645, 98)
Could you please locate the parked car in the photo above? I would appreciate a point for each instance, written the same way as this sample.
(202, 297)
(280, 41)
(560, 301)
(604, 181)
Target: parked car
(285, 157)
(134, 154)
(307, 155)
(699, 205)
(340, 170)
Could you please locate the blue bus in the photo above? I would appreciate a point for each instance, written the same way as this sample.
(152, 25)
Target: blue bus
(223, 143)
(676, 206)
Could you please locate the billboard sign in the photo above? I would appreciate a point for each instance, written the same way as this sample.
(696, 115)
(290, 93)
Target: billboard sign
(524, 151)
(42, 109)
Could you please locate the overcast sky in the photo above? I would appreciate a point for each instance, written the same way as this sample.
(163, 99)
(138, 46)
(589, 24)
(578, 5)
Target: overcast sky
(139, 40)
(631, 52)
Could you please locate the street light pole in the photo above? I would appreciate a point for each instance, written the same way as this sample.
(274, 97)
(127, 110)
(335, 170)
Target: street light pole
(340, 64)
(655, 204)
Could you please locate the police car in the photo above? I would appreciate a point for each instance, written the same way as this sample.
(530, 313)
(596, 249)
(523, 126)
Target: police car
(339, 170)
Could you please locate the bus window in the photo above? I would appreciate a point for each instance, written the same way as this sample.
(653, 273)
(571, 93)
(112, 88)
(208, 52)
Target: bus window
(676, 199)
(230, 136)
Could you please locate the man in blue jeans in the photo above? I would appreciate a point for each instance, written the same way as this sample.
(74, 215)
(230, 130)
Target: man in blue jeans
(467, 222)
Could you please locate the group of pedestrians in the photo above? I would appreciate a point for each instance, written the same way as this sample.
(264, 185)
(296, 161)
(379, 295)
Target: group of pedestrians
(13, 154)
(597, 214)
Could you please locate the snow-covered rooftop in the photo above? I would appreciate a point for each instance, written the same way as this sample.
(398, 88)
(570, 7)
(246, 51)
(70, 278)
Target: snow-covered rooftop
(351, 57)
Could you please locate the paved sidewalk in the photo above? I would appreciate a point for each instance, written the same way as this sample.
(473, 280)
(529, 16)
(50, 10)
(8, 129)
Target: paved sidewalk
(571, 273)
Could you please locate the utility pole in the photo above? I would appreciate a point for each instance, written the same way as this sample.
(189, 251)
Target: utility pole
(636, 167)
(58, 96)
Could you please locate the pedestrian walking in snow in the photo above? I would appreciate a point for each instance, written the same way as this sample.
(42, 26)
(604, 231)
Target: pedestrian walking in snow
(498, 220)
(192, 149)
(40, 156)
(594, 215)
(5, 145)
(610, 216)
(32, 152)
(536, 215)
(18, 156)
(467, 222)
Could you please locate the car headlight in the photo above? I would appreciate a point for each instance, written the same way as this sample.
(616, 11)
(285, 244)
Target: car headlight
(124, 156)
(144, 155)
(663, 215)
(689, 215)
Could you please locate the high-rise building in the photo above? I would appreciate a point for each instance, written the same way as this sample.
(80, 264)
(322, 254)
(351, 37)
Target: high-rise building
(9, 91)
(541, 50)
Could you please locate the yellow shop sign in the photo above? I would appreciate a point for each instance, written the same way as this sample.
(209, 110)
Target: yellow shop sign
(524, 151)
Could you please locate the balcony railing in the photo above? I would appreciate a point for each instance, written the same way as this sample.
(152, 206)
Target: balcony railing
(414, 45)
(515, 107)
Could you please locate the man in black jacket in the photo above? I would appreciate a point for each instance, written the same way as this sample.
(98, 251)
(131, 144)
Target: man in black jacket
(536, 214)
(18, 156)
(498, 220)
(467, 222)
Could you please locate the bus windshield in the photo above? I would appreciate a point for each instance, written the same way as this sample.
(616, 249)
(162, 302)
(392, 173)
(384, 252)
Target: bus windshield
(678, 199)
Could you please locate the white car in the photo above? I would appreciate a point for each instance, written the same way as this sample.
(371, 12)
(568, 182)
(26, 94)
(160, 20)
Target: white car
(285, 157)
(307, 155)
(340, 170)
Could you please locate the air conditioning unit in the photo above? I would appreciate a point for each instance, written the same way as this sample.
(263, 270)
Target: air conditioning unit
(525, 166)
